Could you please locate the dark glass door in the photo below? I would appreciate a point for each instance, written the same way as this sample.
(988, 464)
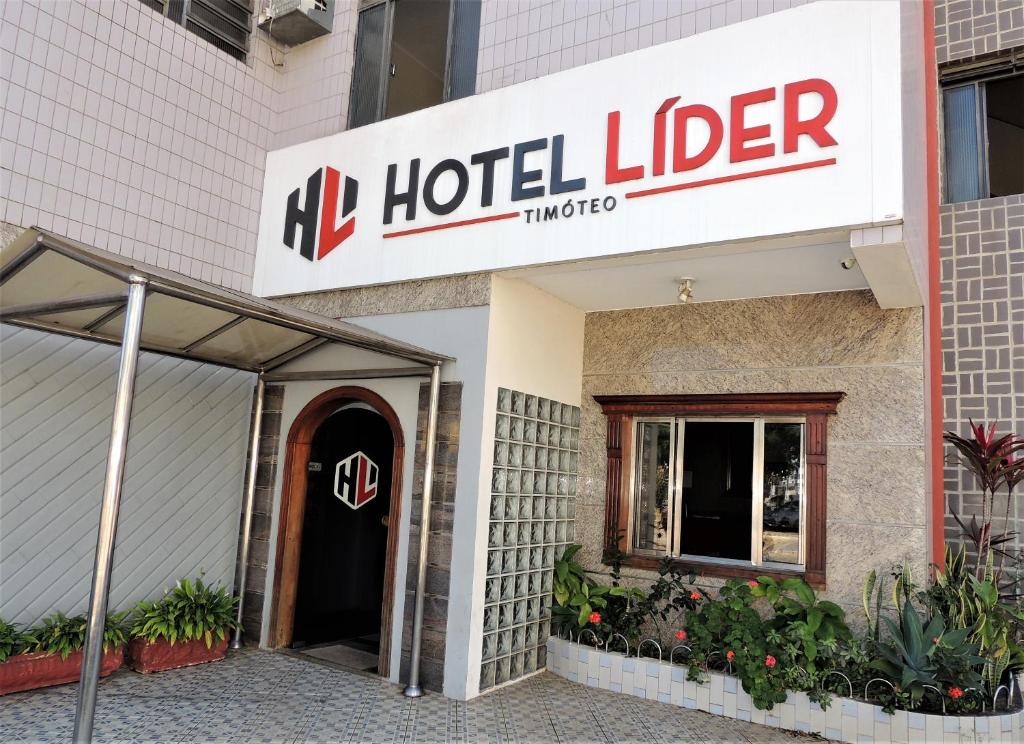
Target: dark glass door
(344, 533)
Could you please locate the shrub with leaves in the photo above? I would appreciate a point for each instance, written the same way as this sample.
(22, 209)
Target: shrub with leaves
(808, 635)
(13, 640)
(656, 612)
(994, 624)
(191, 611)
(59, 634)
(579, 600)
(728, 632)
(917, 656)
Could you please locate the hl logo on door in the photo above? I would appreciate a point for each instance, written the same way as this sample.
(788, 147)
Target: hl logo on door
(323, 213)
(355, 480)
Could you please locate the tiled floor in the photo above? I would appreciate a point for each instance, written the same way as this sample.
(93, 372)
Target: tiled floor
(262, 696)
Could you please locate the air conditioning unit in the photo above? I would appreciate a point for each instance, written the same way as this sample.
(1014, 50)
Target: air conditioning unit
(292, 22)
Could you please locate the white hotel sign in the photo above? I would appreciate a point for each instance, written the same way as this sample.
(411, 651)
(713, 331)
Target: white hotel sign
(786, 124)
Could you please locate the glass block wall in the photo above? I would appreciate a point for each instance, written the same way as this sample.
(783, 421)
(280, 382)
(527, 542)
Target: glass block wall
(533, 505)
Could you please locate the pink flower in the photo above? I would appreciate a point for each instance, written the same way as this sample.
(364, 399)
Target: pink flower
(956, 693)
(595, 617)
(752, 583)
(770, 661)
(681, 635)
(695, 595)
(730, 655)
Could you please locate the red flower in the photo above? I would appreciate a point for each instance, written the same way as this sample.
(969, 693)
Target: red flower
(752, 583)
(595, 617)
(770, 661)
(681, 635)
(695, 595)
(956, 693)
(730, 655)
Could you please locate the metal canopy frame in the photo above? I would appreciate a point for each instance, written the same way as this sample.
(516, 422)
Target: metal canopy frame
(141, 282)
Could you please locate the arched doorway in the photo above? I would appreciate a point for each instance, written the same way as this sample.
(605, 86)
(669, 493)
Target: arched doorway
(338, 529)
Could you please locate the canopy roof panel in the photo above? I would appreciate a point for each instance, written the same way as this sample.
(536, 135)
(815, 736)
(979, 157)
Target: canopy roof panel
(51, 283)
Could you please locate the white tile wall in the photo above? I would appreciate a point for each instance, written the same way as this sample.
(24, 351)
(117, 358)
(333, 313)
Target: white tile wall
(125, 131)
(524, 39)
(845, 720)
(313, 82)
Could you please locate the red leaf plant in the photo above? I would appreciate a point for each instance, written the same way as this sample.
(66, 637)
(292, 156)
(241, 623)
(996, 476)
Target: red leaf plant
(995, 463)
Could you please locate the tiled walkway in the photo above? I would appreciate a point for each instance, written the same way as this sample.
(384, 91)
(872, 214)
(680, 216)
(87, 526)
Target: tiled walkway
(262, 696)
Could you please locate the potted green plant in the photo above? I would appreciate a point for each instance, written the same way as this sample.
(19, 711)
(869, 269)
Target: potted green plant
(187, 626)
(51, 653)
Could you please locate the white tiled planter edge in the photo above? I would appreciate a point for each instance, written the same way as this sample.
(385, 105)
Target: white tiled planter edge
(845, 719)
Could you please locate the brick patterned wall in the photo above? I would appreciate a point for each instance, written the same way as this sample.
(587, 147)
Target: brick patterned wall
(982, 284)
(968, 28)
(524, 39)
(439, 551)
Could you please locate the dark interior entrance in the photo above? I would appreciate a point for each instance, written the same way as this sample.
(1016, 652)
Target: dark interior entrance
(340, 587)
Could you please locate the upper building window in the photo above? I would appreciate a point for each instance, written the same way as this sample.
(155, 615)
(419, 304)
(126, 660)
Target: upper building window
(983, 120)
(411, 54)
(224, 23)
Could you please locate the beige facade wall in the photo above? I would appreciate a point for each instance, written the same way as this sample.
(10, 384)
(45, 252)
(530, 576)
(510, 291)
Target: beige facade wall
(823, 342)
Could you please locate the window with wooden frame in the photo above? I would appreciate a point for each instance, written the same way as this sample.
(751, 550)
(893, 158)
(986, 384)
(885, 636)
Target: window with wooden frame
(726, 485)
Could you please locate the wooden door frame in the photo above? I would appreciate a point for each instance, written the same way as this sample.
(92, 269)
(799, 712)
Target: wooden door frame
(293, 506)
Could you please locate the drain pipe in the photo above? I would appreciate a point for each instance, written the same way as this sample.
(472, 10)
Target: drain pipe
(250, 497)
(92, 650)
(413, 689)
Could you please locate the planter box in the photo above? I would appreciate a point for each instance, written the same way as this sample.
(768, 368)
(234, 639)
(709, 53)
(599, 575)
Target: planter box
(146, 656)
(29, 671)
(845, 719)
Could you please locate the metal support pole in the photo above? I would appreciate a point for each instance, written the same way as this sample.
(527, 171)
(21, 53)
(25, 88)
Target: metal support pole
(413, 689)
(92, 651)
(250, 497)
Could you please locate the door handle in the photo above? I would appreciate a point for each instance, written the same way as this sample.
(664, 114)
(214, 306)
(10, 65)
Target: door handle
(385, 520)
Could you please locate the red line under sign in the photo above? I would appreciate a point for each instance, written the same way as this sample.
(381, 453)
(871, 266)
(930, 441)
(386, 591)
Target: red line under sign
(734, 177)
(446, 225)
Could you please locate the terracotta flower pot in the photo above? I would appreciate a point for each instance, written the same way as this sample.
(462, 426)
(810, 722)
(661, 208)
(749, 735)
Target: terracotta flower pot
(156, 656)
(37, 669)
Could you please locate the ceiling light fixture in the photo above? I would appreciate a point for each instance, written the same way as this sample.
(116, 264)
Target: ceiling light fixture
(686, 290)
(848, 263)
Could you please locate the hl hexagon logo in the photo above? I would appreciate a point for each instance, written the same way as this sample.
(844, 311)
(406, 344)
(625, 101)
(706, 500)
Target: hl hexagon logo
(323, 213)
(355, 480)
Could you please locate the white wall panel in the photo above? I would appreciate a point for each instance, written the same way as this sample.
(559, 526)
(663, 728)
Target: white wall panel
(183, 479)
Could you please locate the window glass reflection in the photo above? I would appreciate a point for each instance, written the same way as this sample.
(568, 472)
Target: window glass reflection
(780, 541)
(653, 458)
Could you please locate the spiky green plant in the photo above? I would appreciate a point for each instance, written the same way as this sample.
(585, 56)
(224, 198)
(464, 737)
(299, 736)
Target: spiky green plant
(871, 582)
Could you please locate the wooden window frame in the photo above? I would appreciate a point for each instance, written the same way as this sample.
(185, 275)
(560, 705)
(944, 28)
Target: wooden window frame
(814, 408)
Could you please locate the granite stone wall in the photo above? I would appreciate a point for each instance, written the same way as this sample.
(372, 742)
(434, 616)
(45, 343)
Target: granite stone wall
(439, 293)
(820, 342)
